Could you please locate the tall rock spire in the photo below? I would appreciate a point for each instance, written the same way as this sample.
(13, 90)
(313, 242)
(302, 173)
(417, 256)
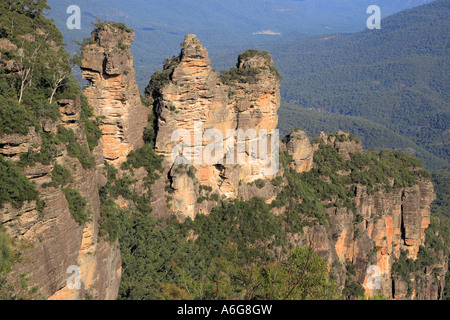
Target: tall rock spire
(113, 92)
(189, 96)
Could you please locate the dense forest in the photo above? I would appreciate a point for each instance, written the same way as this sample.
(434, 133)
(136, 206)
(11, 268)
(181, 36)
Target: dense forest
(396, 77)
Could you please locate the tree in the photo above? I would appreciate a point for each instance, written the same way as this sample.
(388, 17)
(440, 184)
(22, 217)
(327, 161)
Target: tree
(26, 70)
(302, 276)
(56, 80)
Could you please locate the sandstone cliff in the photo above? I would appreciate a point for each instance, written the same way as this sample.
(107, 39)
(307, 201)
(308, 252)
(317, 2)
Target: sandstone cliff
(190, 97)
(54, 240)
(113, 92)
(373, 236)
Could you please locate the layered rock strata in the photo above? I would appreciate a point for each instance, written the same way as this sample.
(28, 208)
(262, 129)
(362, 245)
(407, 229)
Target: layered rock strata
(112, 91)
(194, 102)
(52, 242)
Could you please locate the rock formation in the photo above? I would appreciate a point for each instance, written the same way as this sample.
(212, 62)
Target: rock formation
(113, 92)
(388, 223)
(301, 149)
(193, 99)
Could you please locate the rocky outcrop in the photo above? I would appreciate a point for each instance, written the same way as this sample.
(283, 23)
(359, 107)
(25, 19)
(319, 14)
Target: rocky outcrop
(13, 145)
(390, 222)
(344, 142)
(193, 99)
(113, 92)
(301, 150)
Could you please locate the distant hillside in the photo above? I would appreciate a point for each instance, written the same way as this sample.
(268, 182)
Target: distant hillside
(221, 25)
(372, 135)
(396, 77)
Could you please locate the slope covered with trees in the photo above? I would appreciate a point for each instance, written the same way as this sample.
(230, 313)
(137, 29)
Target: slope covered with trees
(396, 77)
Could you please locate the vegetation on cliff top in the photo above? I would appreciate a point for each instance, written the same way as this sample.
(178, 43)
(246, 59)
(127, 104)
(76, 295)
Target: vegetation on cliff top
(160, 79)
(249, 74)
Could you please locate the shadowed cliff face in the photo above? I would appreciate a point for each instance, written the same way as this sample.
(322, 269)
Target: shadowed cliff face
(54, 240)
(113, 92)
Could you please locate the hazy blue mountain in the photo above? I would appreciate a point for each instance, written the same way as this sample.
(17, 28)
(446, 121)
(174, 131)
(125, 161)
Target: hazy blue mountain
(396, 77)
(222, 25)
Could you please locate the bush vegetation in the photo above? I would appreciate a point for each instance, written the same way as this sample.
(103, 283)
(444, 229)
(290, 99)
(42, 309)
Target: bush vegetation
(15, 188)
(77, 205)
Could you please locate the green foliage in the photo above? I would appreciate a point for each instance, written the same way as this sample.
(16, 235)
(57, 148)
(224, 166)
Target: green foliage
(372, 135)
(378, 297)
(60, 175)
(110, 221)
(236, 75)
(15, 188)
(77, 206)
(248, 74)
(302, 276)
(14, 117)
(206, 188)
(74, 148)
(147, 158)
(251, 53)
(396, 80)
(41, 67)
(106, 25)
(441, 182)
(371, 169)
(91, 123)
(232, 257)
(277, 181)
(15, 287)
(353, 290)
(160, 79)
(260, 183)
(5, 251)
(12, 286)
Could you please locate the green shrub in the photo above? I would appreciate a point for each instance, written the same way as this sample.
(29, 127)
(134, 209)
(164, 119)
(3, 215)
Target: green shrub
(74, 148)
(15, 188)
(260, 183)
(77, 205)
(353, 290)
(6, 253)
(14, 117)
(161, 78)
(214, 197)
(60, 175)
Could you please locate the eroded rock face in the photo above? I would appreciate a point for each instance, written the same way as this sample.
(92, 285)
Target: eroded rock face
(52, 240)
(193, 100)
(301, 150)
(390, 222)
(13, 145)
(344, 143)
(113, 92)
